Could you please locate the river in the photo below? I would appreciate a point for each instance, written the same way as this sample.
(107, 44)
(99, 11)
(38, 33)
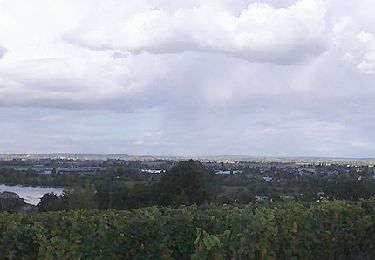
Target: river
(31, 195)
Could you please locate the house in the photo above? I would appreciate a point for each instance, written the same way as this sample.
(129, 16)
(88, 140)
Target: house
(261, 198)
(267, 179)
(222, 172)
(8, 195)
(151, 171)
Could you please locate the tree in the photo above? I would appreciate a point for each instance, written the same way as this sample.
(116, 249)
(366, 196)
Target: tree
(139, 196)
(52, 202)
(81, 198)
(111, 195)
(188, 182)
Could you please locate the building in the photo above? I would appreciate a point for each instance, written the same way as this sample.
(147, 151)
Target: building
(267, 179)
(222, 172)
(8, 195)
(152, 171)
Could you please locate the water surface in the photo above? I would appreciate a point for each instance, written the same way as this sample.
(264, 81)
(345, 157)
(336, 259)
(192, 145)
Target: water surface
(31, 195)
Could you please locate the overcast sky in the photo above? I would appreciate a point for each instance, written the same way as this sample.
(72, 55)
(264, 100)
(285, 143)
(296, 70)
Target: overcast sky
(177, 77)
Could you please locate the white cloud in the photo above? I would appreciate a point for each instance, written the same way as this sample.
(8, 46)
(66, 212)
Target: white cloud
(367, 63)
(86, 81)
(164, 77)
(2, 51)
(356, 48)
(259, 33)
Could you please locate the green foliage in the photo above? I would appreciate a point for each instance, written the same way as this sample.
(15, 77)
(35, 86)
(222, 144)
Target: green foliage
(11, 205)
(107, 195)
(74, 199)
(81, 198)
(140, 195)
(187, 183)
(244, 188)
(292, 230)
(111, 196)
(119, 174)
(52, 202)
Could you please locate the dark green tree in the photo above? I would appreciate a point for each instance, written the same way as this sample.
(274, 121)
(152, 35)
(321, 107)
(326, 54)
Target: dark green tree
(81, 198)
(52, 202)
(140, 196)
(111, 195)
(188, 182)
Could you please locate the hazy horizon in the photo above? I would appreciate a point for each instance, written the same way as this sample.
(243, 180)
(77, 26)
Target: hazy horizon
(186, 157)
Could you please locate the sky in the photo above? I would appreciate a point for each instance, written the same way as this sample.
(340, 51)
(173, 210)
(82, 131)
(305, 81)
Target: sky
(177, 77)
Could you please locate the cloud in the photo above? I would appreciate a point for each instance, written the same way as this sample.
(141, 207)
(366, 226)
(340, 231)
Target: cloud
(2, 51)
(356, 47)
(187, 77)
(367, 63)
(86, 82)
(259, 33)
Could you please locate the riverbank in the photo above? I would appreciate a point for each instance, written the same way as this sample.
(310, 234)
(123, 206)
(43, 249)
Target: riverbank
(31, 195)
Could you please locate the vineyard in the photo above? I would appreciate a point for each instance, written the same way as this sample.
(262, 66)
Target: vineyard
(326, 230)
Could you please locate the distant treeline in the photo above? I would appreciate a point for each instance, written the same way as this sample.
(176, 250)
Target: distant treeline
(187, 183)
(191, 183)
(32, 178)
